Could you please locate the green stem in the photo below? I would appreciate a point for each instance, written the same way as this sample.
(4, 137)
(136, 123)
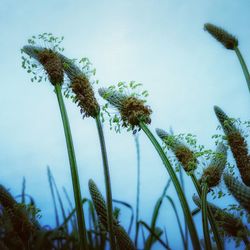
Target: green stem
(204, 210)
(183, 187)
(107, 183)
(210, 216)
(244, 66)
(137, 189)
(74, 172)
(178, 221)
(182, 198)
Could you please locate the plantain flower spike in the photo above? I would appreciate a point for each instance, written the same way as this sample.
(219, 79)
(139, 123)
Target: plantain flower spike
(184, 155)
(132, 109)
(240, 191)
(19, 219)
(212, 174)
(49, 59)
(226, 39)
(237, 144)
(81, 87)
(228, 223)
(123, 240)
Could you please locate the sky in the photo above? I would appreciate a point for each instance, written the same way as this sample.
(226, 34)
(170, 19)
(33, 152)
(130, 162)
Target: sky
(159, 43)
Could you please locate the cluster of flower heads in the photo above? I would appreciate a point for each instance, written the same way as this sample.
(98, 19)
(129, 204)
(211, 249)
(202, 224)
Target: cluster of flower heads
(185, 152)
(130, 102)
(42, 58)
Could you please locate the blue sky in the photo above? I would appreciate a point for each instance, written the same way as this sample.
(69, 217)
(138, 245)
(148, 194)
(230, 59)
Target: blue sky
(161, 44)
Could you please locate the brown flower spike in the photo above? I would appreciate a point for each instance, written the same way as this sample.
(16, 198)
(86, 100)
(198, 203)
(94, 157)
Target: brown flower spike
(212, 174)
(81, 87)
(49, 59)
(184, 155)
(237, 144)
(132, 110)
(229, 41)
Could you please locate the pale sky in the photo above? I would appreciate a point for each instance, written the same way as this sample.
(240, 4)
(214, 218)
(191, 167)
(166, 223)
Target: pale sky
(160, 43)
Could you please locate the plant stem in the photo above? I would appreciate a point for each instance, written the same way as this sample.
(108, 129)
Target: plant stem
(182, 198)
(107, 183)
(183, 187)
(204, 209)
(137, 189)
(244, 66)
(210, 216)
(74, 172)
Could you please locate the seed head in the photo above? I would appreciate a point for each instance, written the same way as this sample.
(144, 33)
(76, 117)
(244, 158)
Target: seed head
(132, 110)
(81, 87)
(240, 191)
(226, 123)
(20, 221)
(185, 156)
(226, 39)
(228, 223)
(50, 61)
(123, 240)
(212, 174)
(237, 144)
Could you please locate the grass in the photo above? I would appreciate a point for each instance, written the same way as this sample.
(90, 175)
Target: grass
(19, 221)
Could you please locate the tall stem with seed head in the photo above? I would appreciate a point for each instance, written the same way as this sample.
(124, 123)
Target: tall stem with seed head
(74, 172)
(182, 198)
(107, 182)
(244, 66)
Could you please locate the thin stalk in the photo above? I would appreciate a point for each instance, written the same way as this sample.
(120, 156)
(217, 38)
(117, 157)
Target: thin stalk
(137, 189)
(178, 221)
(155, 235)
(210, 216)
(156, 214)
(107, 183)
(82, 232)
(183, 187)
(182, 198)
(244, 66)
(204, 210)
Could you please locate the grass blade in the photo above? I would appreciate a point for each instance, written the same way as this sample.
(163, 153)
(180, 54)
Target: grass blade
(178, 221)
(132, 213)
(154, 234)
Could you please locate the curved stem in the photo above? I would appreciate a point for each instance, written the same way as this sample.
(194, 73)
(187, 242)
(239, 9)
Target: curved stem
(244, 66)
(210, 216)
(107, 183)
(204, 209)
(182, 198)
(74, 172)
(137, 189)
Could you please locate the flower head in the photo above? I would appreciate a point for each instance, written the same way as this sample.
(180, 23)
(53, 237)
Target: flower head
(212, 174)
(237, 144)
(240, 191)
(229, 41)
(81, 85)
(132, 109)
(184, 155)
(229, 224)
(47, 56)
